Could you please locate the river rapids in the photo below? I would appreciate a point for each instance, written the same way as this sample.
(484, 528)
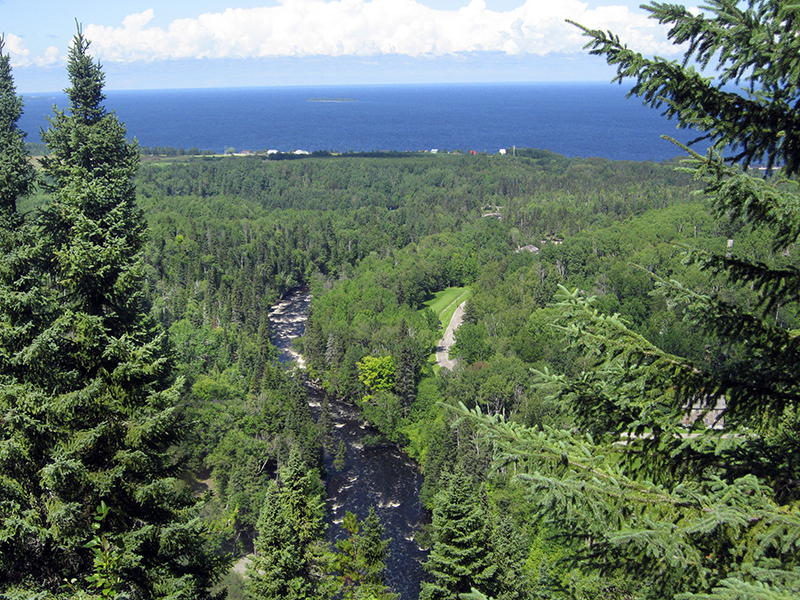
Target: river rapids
(379, 476)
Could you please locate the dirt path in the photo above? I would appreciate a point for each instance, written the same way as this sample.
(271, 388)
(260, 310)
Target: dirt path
(443, 349)
(240, 566)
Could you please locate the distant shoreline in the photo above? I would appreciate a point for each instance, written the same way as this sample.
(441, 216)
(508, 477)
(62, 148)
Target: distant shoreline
(571, 119)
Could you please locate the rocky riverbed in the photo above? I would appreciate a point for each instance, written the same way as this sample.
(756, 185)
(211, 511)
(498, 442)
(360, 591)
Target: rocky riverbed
(379, 476)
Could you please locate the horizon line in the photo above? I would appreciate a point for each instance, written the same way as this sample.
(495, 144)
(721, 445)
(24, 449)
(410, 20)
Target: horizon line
(338, 85)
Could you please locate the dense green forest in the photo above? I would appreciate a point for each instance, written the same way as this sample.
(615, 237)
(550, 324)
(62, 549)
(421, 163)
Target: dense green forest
(150, 437)
(377, 237)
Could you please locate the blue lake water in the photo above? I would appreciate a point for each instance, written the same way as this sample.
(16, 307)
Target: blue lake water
(578, 119)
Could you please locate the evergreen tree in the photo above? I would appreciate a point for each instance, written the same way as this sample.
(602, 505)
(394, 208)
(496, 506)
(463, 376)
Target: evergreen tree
(373, 550)
(17, 176)
(509, 551)
(288, 545)
(277, 569)
(460, 557)
(358, 564)
(87, 386)
(314, 343)
(326, 425)
(21, 429)
(16, 171)
(685, 510)
(407, 367)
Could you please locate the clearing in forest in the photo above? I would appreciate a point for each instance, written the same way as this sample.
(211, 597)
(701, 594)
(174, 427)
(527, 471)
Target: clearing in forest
(446, 305)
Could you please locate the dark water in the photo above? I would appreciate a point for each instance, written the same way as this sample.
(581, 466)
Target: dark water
(382, 477)
(574, 119)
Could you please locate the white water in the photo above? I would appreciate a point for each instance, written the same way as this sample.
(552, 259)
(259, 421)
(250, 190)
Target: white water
(382, 477)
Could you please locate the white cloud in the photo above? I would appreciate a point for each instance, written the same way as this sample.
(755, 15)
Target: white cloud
(21, 56)
(51, 56)
(15, 47)
(369, 28)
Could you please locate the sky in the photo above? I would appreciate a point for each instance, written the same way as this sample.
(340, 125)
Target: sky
(143, 44)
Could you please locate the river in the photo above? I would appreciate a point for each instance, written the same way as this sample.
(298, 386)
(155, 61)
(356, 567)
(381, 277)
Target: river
(380, 476)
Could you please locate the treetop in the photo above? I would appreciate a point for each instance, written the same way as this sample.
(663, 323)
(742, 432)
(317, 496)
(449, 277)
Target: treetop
(87, 78)
(756, 45)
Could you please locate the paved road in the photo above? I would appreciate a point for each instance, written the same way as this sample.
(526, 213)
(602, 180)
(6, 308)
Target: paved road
(443, 350)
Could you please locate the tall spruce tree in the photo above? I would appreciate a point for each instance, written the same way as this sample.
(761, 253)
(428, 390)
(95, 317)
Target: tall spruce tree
(356, 568)
(17, 177)
(510, 551)
(89, 394)
(19, 429)
(461, 556)
(289, 543)
(17, 174)
(689, 511)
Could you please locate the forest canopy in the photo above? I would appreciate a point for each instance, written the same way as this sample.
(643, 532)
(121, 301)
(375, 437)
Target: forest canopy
(621, 421)
(684, 505)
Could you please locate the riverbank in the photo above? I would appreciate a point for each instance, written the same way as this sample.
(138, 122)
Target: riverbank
(379, 476)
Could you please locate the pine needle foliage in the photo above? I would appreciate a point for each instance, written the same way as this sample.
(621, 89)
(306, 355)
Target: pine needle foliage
(640, 482)
(752, 43)
(17, 174)
(461, 555)
(688, 536)
(88, 397)
(288, 557)
(356, 567)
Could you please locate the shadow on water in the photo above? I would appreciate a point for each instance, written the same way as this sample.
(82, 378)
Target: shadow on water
(379, 476)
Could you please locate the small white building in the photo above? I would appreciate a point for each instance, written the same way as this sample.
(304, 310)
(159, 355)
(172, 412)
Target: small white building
(710, 411)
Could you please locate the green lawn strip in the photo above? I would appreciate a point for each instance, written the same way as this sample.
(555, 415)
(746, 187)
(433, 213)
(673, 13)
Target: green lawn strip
(447, 313)
(444, 304)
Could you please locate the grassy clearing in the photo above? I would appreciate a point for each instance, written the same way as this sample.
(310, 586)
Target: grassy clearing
(444, 303)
